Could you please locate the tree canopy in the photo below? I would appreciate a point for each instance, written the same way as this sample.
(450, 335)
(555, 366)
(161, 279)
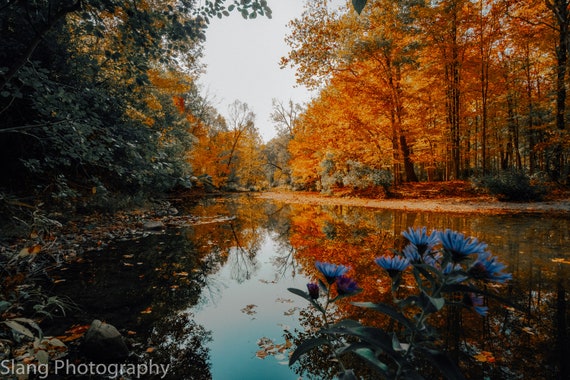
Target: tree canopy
(100, 96)
(430, 90)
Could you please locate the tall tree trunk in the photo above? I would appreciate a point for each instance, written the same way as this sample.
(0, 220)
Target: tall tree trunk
(530, 119)
(453, 97)
(560, 10)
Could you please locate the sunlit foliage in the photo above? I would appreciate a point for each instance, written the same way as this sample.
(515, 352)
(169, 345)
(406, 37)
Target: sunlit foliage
(434, 90)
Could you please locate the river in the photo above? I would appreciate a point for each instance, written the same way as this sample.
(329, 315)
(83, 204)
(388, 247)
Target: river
(211, 299)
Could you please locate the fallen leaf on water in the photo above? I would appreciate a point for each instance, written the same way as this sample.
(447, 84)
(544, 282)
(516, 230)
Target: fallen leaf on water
(484, 357)
(262, 354)
(560, 261)
(249, 309)
(291, 311)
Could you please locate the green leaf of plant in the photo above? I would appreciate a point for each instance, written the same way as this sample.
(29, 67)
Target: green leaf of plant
(42, 357)
(358, 5)
(376, 337)
(364, 351)
(438, 302)
(307, 346)
(31, 323)
(347, 375)
(4, 305)
(19, 328)
(300, 293)
(387, 310)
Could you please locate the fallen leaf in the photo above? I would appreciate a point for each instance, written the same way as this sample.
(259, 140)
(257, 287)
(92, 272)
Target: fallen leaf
(262, 354)
(148, 310)
(249, 309)
(560, 261)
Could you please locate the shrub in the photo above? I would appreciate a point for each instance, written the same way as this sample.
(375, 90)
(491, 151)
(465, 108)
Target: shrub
(512, 186)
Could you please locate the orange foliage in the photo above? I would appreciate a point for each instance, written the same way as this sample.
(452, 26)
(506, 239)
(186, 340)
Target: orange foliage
(435, 90)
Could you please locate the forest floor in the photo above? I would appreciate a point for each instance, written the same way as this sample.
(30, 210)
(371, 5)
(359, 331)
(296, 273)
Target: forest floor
(450, 196)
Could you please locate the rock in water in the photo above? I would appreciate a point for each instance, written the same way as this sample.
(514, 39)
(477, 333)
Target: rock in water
(153, 225)
(104, 342)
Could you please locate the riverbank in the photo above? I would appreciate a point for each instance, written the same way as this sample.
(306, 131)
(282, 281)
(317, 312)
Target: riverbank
(480, 204)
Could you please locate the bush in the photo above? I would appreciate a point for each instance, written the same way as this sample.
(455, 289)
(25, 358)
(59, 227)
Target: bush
(512, 186)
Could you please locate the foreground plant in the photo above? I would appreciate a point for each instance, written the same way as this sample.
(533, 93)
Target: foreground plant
(448, 269)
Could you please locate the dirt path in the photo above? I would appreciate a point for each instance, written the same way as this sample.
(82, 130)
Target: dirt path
(469, 205)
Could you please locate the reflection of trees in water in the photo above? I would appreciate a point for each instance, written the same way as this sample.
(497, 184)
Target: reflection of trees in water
(284, 262)
(243, 256)
(320, 363)
(182, 344)
(532, 344)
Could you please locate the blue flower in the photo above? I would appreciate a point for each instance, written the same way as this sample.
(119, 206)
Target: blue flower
(411, 253)
(331, 271)
(460, 247)
(476, 302)
(346, 286)
(394, 265)
(419, 237)
(313, 290)
(487, 268)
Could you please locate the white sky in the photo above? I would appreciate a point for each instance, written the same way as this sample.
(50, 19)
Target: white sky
(242, 63)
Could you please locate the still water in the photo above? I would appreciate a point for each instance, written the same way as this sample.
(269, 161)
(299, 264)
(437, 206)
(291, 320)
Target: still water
(211, 298)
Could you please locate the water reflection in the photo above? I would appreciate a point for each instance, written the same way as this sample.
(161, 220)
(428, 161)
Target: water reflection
(535, 249)
(216, 292)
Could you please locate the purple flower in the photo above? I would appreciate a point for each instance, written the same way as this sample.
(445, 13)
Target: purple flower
(394, 265)
(331, 271)
(421, 240)
(346, 286)
(476, 302)
(487, 268)
(460, 247)
(313, 290)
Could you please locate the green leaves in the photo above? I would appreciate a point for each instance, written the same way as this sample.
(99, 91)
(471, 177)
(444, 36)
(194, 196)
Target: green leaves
(358, 5)
(307, 346)
(387, 310)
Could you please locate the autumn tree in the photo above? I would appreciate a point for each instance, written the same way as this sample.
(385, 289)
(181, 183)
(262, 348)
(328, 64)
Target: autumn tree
(368, 67)
(229, 151)
(87, 92)
(276, 151)
(459, 88)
